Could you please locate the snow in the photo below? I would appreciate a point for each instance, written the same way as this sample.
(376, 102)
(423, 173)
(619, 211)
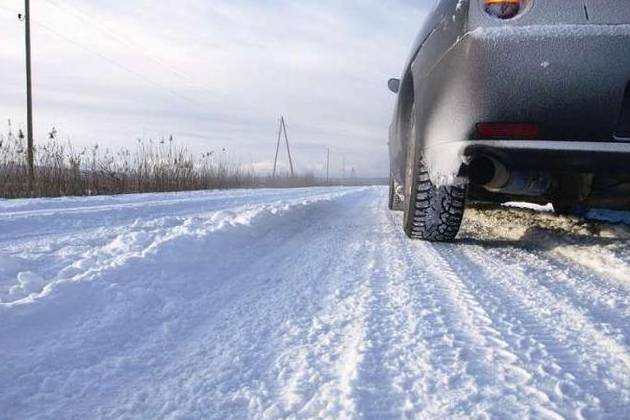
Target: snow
(307, 303)
(531, 206)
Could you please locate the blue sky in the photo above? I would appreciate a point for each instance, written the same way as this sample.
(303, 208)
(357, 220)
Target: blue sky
(215, 73)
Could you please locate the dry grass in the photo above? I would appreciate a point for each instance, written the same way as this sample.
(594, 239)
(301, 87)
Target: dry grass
(61, 169)
(154, 166)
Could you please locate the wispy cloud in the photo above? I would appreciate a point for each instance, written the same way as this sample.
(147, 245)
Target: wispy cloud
(215, 73)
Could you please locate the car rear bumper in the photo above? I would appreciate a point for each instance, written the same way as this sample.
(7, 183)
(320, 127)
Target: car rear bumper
(568, 79)
(562, 156)
(448, 162)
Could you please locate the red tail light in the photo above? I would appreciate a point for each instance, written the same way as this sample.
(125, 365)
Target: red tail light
(503, 9)
(508, 130)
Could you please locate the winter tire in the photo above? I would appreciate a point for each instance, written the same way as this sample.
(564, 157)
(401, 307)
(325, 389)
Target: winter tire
(432, 213)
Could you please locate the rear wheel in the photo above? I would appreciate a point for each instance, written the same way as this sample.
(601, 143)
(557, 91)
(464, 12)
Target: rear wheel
(433, 213)
(395, 203)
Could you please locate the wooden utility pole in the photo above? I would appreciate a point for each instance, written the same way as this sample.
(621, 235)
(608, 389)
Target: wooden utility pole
(328, 166)
(29, 99)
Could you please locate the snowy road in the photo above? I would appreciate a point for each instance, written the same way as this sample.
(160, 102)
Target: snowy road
(306, 303)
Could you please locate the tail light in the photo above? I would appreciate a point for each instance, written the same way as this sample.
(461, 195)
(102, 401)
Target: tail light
(508, 130)
(503, 9)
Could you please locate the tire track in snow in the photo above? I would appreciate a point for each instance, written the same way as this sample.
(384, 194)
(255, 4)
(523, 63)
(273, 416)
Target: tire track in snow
(318, 309)
(506, 386)
(157, 316)
(317, 374)
(600, 363)
(607, 308)
(171, 277)
(558, 324)
(413, 364)
(270, 344)
(537, 361)
(318, 370)
(606, 303)
(379, 391)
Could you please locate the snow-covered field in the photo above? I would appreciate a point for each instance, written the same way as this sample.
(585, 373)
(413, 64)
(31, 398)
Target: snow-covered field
(306, 303)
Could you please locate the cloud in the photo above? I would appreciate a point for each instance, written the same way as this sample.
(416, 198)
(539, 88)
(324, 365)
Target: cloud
(215, 73)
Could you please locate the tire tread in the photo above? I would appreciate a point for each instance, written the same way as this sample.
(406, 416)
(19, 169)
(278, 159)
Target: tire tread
(437, 212)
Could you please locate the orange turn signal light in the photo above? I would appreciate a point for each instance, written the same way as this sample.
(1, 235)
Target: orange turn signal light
(503, 9)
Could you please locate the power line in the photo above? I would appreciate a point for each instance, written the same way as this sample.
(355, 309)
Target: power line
(24, 16)
(12, 11)
(115, 63)
(104, 57)
(85, 17)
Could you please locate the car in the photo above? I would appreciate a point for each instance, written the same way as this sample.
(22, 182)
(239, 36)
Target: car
(504, 100)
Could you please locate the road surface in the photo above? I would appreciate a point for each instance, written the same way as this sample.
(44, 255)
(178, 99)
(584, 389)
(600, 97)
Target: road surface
(306, 303)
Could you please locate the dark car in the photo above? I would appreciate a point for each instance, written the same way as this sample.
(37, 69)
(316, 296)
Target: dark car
(505, 100)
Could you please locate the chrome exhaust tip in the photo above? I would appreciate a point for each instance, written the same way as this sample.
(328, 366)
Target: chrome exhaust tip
(494, 176)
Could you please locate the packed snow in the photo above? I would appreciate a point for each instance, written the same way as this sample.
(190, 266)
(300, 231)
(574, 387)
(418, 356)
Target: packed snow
(307, 303)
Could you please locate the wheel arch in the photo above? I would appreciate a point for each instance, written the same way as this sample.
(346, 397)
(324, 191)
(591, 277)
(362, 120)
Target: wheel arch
(405, 106)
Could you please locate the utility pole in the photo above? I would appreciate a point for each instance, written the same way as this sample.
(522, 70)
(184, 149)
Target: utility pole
(328, 166)
(275, 161)
(29, 99)
(283, 129)
(286, 137)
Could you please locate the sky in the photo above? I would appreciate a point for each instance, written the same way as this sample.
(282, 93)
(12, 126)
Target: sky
(215, 74)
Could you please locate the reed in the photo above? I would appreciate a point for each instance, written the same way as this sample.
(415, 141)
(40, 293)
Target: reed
(62, 169)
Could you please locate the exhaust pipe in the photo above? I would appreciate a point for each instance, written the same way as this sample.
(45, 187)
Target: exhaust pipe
(495, 177)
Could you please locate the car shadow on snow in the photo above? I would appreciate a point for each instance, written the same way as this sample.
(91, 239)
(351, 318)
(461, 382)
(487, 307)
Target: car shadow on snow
(543, 239)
